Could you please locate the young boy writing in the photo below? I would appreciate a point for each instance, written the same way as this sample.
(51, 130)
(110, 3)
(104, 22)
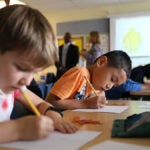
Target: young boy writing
(27, 45)
(72, 91)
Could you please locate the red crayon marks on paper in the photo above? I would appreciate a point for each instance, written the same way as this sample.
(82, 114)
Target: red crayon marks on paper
(84, 121)
(118, 104)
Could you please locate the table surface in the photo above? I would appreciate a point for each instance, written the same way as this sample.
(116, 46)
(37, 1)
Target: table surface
(107, 122)
(144, 93)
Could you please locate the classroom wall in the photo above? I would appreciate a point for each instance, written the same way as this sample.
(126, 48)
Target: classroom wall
(97, 12)
(80, 31)
(83, 26)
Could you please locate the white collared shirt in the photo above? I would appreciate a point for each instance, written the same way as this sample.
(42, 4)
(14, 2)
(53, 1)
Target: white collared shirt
(64, 54)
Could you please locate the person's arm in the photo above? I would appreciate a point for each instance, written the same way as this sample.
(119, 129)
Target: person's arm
(146, 86)
(8, 128)
(26, 128)
(91, 102)
(131, 85)
(46, 109)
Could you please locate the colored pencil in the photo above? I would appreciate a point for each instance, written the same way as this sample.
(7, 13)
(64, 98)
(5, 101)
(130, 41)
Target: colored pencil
(90, 85)
(35, 110)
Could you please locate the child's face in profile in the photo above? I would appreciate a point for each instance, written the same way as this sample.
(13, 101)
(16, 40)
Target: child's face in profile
(105, 77)
(15, 71)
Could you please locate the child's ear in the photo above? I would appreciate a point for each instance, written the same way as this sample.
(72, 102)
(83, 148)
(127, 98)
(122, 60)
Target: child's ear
(102, 61)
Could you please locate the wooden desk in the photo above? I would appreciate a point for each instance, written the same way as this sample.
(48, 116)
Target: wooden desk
(140, 95)
(144, 93)
(107, 120)
(106, 126)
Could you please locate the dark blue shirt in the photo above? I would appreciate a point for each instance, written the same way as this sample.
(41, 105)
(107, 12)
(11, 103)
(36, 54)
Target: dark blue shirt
(117, 92)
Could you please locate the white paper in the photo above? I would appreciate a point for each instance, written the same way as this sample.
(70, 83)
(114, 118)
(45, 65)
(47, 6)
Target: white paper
(109, 109)
(145, 105)
(56, 141)
(110, 145)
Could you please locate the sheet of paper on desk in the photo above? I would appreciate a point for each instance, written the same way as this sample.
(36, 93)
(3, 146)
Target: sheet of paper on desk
(56, 141)
(145, 105)
(107, 108)
(117, 146)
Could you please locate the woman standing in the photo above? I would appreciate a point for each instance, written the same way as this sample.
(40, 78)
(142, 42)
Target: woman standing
(95, 50)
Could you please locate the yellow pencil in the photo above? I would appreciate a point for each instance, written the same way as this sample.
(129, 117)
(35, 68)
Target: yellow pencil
(90, 85)
(23, 91)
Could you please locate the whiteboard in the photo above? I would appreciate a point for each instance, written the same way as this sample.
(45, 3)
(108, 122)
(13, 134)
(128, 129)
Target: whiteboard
(131, 33)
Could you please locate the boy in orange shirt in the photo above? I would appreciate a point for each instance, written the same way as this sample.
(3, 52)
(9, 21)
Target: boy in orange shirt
(72, 91)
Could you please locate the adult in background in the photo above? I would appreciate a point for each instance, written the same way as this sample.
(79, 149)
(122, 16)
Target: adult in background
(95, 50)
(68, 55)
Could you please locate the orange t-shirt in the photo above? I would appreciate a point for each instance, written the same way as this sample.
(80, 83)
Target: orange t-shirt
(72, 85)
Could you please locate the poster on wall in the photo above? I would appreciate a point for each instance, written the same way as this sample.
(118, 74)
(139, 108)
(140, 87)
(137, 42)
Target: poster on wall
(134, 35)
(131, 33)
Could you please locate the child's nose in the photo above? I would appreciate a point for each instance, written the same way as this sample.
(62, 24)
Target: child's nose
(26, 80)
(109, 86)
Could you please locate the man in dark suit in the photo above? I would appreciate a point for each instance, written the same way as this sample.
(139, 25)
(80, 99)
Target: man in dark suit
(68, 55)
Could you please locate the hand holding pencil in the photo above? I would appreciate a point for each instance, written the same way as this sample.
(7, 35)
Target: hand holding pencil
(95, 102)
(58, 123)
(90, 85)
(34, 127)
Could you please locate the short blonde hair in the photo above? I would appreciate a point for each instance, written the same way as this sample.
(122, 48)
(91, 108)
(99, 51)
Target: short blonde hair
(27, 31)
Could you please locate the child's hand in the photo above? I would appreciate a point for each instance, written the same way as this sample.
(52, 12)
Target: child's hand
(60, 124)
(34, 127)
(64, 126)
(95, 102)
